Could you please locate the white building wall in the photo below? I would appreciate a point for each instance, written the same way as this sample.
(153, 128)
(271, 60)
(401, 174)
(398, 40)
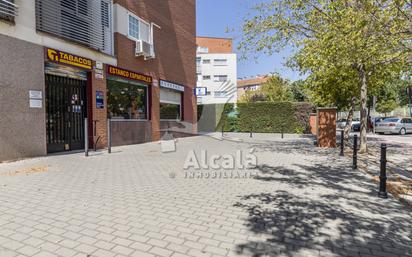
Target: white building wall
(213, 69)
(25, 29)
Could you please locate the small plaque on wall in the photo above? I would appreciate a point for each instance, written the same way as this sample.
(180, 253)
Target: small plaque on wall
(99, 100)
(35, 103)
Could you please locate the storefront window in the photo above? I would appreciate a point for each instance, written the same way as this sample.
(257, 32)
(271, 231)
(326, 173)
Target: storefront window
(169, 111)
(170, 104)
(126, 101)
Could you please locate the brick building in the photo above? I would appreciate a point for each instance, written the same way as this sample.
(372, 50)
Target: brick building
(132, 62)
(250, 84)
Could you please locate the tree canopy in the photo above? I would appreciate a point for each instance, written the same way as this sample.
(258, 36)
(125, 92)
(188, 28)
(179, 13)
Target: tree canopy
(349, 48)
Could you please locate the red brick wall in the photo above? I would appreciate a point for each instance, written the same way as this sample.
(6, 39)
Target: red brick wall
(215, 45)
(175, 48)
(100, 115)
(326, 127)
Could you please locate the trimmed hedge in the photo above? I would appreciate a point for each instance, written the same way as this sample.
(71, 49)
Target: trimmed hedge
(274, 117)
(262, 117)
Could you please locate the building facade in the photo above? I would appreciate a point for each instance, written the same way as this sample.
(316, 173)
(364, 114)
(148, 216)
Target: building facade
(216, 70)
(250, 84)
(132, 62)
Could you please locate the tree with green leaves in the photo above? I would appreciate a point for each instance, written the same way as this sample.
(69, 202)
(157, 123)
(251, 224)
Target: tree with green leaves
(368, 39)
(298, 90)
(275, 89)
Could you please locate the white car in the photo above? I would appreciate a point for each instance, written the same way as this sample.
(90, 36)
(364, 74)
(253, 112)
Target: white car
(399, 126)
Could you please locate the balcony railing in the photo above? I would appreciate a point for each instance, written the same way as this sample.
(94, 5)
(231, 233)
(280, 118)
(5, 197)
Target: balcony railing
(8, 10)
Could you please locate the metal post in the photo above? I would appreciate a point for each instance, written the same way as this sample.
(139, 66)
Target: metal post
(86, 138)
(342, 143)
(223, 127)
(382, 177)
(251, 132)
(355, 152)
(109, 136)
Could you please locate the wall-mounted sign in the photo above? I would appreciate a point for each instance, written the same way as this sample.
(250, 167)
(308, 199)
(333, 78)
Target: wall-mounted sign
(200, 91)
(128, 74)
(99, 100)
(171, 85)
(99, 65)
(70, 59)
(98, 74)
(36, 103)
(35, 99)
(35, 94)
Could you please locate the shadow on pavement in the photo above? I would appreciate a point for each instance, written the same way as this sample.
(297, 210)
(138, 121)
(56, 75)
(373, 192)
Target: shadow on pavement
(330, 211)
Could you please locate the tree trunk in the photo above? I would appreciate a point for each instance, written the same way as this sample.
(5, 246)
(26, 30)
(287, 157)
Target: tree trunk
(349, 119)
(364, 109)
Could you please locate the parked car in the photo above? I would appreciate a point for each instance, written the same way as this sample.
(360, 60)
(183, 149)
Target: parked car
(377, 120)
(399, 126)
(356, 125)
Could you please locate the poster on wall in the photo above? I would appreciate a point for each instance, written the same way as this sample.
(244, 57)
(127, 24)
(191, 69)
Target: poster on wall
(99, 100)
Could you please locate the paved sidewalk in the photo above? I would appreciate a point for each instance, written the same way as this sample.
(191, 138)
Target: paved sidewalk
(137, 202)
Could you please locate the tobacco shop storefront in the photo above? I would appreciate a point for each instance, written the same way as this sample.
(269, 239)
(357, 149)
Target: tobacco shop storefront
(128, 106)
(67, 82)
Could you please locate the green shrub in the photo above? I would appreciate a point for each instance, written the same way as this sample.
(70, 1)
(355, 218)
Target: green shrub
(274, 117)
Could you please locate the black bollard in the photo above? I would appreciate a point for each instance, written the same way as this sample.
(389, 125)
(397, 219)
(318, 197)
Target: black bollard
(342, 142)
(223, 128)
(109, 136)
(86, 138)
(355, 152)
(382, 177)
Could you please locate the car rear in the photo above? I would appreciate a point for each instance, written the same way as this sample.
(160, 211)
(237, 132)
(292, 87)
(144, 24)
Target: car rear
(389, 126)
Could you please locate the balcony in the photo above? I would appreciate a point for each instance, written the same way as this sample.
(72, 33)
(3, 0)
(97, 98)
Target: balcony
(8, 10)
(86, 22)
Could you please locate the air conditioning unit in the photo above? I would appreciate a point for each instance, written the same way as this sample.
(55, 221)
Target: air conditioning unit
(145, 49)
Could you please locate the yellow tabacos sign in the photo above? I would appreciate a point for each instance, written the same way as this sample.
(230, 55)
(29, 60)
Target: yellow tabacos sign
(128, 74)
(70, 59)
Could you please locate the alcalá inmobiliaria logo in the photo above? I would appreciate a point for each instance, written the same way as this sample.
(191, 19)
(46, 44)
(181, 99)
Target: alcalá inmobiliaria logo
(201, 165)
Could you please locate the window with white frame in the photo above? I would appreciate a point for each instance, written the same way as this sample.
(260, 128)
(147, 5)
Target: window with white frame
(220, 62)
(206, 61)
(139, 29)
(220, 78)
(206, 77)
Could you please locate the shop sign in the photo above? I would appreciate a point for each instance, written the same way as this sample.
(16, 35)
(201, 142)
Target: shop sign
(99, 100)
(128, 74)
(200, 91)
(69, 59)
(170, 85)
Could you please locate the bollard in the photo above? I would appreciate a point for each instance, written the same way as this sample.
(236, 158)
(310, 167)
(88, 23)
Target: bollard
(86, 138)
(109, 136)
(251, 132)
(355, 152)
(223, 128)
(342, 143)
(382, 177)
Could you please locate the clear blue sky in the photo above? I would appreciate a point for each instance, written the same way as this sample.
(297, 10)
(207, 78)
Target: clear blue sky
(213, 19)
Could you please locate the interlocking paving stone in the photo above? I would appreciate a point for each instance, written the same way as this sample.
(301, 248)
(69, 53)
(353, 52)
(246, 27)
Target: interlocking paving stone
(304, 202)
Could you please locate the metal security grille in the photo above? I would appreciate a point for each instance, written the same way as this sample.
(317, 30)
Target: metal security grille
(88, 22)
(66, 109)
(8, 10)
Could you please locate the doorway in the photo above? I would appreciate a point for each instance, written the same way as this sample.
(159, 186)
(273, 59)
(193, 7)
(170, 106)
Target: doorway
(66, 109)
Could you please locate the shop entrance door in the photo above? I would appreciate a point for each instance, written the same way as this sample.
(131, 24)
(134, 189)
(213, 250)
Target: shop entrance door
(66, 109)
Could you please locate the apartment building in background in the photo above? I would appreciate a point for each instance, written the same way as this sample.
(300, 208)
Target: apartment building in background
(216, 70)
(250, 84)
(132, 62)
